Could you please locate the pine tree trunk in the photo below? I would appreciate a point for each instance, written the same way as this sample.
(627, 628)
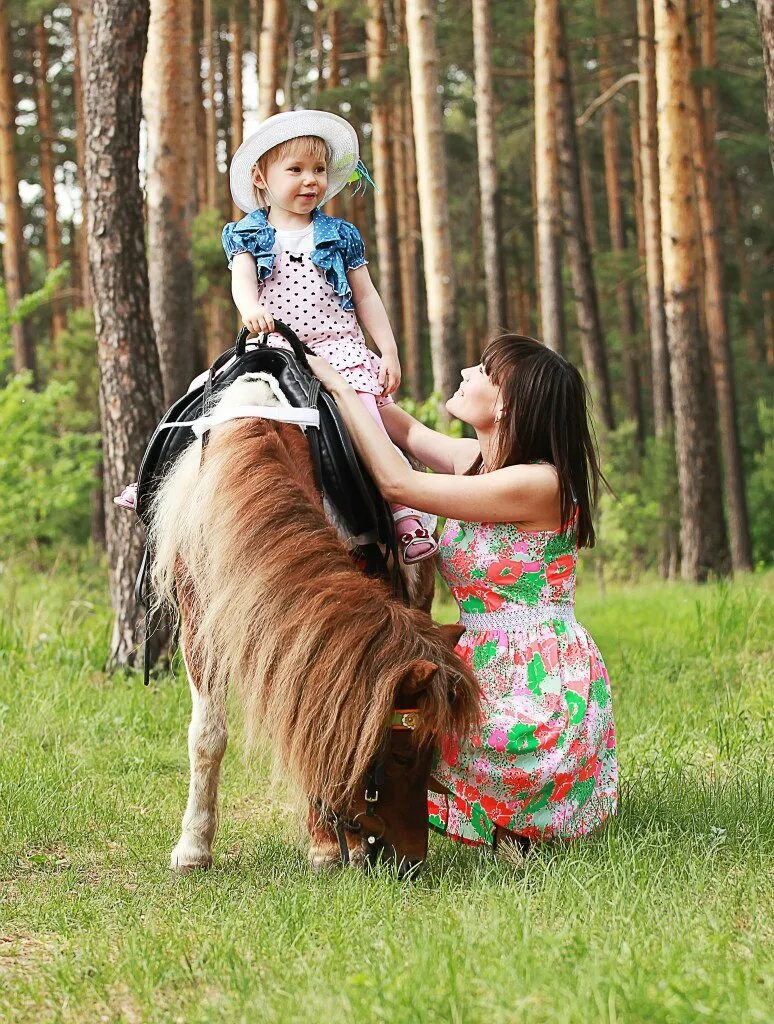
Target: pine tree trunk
(290, 56)
(168, 107)
(333, 207)
(766, 24)
(702, 530)
(376, 54)
(615, 213)
(749, 322)
(718, 337)
(433, 191)
(494, 264)
(588, 203)
(473, 333)
(13, 247)
(237, 100)
(80, 154)
(546, 178)
(200, 118)
(211, 122)
(268, 59)
(46, 130)
(654, 269)
(130, 379)
(407, 211)
(576, 238)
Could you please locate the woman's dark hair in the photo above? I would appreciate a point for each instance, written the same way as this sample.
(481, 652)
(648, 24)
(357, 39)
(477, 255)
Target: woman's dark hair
(545, 419)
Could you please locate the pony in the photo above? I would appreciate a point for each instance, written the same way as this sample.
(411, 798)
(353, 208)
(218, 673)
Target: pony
(342, 679)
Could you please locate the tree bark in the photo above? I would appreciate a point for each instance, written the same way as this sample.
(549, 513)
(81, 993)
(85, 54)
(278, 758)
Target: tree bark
(494, 264)
(407, 211)
(168, 107)
(718, 337)
(47, 179)
(547, 201)
(654, 268)
(130, 378)
(200, 118)
(376, 54)
(766, 24)
(702, 531)
(80, 153)
(433, 191)
(237, 101)
(576, 238)
(211, 121)
(615, 213)
(13, 247)
(749, 322)
(268, 59)
(333, 207)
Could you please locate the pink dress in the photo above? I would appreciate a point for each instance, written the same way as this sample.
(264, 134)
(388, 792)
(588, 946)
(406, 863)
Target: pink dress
(542, 762)
(297, 293)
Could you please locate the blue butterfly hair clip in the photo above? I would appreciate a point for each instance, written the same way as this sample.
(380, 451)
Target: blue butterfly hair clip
(361, 179)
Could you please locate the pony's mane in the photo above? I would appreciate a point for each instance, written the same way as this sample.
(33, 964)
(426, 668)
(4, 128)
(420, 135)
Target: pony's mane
(274, 604)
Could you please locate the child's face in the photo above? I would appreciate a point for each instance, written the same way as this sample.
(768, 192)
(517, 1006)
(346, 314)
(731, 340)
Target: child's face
(296, 183)
(477, 400)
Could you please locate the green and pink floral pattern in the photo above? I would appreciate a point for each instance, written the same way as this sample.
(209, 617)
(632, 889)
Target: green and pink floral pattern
(543, 761)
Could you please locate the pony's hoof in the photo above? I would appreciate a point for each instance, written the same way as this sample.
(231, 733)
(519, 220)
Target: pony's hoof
(188, 857)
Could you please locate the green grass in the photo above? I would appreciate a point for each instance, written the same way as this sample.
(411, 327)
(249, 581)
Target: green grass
(665, 916)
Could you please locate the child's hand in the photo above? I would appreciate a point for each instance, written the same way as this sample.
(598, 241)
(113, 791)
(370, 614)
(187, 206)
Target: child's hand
(258, 319)
(389, 372)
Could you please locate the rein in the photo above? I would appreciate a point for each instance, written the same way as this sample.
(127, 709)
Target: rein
(401, 719)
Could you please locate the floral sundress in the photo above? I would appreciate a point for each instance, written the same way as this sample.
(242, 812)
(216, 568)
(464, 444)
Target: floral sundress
(542, 762)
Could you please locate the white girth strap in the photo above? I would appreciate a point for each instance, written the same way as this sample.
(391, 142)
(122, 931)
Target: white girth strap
(284, 414)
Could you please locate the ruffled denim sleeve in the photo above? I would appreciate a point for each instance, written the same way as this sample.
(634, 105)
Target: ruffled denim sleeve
(251, 234)
(232, 243)
(354, 249)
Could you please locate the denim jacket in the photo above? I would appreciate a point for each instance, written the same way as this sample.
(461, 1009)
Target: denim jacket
(338, 248)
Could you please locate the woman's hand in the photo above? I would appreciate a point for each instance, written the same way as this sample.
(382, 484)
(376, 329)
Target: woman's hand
(325, 373)
(389, 372)
(258, 319)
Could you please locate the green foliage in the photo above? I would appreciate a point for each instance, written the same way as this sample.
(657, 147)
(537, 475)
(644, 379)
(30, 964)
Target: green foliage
(641, 505)
(760, 489)
(48, 436)
(431, 413)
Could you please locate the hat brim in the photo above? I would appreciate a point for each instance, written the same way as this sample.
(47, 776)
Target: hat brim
(338, 134)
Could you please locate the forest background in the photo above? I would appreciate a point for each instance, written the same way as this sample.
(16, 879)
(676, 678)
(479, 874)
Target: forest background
(595, 174)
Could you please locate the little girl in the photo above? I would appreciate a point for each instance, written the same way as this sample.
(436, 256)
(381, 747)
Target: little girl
(289, 260)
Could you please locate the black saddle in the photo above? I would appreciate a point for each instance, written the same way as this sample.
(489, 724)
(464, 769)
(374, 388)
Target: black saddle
(339, 472)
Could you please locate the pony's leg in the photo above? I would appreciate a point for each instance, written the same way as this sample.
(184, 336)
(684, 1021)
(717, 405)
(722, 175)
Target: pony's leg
(207, 738)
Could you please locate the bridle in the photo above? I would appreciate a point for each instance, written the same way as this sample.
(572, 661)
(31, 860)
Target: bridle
(401, 719)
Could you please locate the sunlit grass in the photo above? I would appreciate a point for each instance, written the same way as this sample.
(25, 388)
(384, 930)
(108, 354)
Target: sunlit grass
(665, 916)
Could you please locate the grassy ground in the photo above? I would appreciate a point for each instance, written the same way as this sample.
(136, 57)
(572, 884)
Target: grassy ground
(665, 916)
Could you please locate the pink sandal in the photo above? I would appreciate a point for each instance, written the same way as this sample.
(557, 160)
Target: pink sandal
(127, 498)
(420, 537)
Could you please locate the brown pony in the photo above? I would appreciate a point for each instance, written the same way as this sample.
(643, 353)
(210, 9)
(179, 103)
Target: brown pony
(270, 601)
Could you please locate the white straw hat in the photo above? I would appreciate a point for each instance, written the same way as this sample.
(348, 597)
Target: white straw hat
(340, 136)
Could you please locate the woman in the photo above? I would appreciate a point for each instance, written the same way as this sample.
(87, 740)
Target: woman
(518, 504)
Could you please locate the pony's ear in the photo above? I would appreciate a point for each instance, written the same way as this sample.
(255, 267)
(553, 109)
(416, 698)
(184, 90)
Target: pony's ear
(416, 679)
(452, 633)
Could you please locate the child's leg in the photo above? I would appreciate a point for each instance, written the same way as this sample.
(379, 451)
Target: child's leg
(415, 540)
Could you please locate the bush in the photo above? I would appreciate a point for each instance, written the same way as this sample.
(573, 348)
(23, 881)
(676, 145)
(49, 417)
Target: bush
(49, 444)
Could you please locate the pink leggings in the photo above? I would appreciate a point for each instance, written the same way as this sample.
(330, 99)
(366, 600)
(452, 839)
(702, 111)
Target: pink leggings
(369, 401)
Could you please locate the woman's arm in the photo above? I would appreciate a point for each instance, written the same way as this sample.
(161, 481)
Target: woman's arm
(443, 454)
(525, 494)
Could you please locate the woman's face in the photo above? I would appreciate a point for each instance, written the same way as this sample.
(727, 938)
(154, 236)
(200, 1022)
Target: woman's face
(296, 184)
(477, 400)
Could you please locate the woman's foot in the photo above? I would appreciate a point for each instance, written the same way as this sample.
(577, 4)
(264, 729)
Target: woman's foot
(127, 498)
(416, 542)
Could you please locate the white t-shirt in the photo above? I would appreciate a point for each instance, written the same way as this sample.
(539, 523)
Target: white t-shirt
(299, 240)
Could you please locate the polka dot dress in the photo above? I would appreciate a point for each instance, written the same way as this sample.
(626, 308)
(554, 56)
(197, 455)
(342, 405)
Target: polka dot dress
(298, 294)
